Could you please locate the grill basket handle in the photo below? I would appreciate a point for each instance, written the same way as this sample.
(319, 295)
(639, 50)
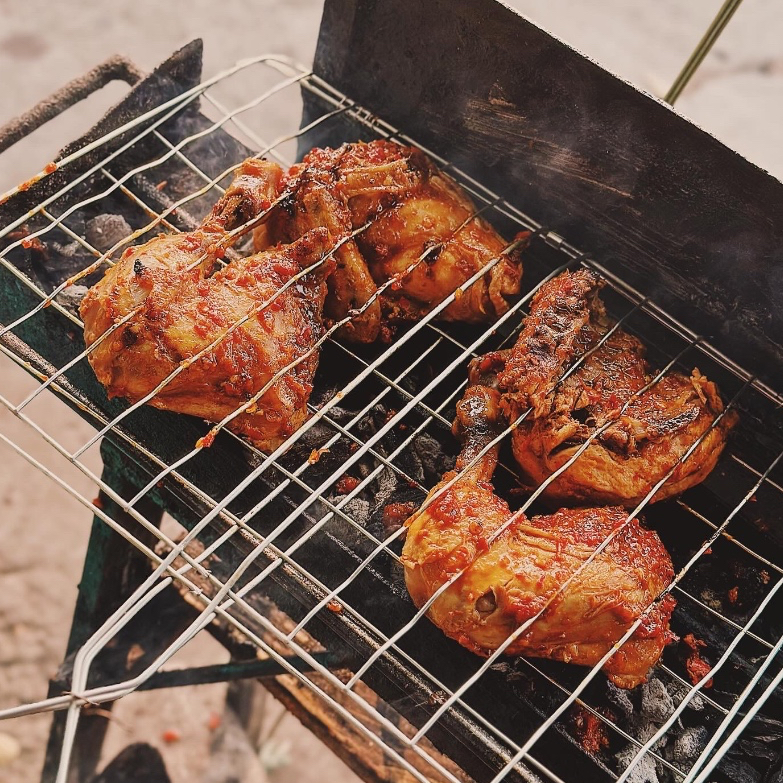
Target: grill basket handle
(115, 68)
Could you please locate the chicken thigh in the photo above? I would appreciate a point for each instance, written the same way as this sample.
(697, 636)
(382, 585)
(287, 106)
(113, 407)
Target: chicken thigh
(506, 578)
(417, 216)
(226, 335)
(640, 445)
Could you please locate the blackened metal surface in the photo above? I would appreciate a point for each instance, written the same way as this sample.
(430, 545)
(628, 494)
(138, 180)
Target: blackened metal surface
(180, 72)
(659, 201)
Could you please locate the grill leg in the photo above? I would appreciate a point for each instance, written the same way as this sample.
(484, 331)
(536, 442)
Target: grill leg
(112, 570)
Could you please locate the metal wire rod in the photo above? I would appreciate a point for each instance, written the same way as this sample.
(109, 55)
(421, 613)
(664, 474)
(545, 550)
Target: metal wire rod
(710, 759)
(188, 96)
(702, 49)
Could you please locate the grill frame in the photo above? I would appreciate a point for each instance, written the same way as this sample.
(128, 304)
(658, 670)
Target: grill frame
(461, 724)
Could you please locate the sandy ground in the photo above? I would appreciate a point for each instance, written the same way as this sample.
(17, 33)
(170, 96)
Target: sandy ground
(44, 530)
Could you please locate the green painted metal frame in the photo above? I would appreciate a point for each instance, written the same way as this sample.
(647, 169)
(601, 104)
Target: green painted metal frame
(112, 570)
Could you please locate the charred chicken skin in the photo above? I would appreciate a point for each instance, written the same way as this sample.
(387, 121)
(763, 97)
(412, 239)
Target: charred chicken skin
(172, 309)
(641, 443)
(508, 577)
(414, 210)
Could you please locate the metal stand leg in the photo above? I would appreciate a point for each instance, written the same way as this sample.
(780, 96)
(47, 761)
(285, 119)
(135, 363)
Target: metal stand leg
(112, 570)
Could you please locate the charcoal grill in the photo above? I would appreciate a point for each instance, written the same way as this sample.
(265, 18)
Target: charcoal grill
(283, 555)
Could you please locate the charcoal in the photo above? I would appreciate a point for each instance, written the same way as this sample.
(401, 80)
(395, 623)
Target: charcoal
(680, 691)
(644, 729)
(620, 699)
(775, 775)
(385, 486)
(756, 749)
(358, 510)
(368, 425)
(657, 704)
(643, 770)
(688, 745)
(738, 771)
(105, 231)
(411, 463)
(71, 250)
(433, 459)
(70, 298)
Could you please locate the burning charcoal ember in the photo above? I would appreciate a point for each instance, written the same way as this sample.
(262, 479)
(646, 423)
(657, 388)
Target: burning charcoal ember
(657, 705)
(644, 769)
(105, 231)
(71, 297)
(688, 745)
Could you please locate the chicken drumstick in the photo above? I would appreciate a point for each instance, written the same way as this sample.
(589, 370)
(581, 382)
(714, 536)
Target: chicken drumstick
(506, 580)
(243, 322)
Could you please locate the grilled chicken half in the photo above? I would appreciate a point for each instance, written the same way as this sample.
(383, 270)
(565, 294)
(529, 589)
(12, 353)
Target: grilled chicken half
(632, 448)
(511, 567)
(159, 316)
(418, 217)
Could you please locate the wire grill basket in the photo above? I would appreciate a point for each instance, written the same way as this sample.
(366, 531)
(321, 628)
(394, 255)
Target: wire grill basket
(287, 527)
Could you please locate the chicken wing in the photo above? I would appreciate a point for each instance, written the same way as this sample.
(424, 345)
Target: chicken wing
(414, 210)
(508, 577)
(243, 324)
(640, 445)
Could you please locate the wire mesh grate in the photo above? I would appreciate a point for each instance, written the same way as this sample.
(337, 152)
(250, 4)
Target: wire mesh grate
(280, 512)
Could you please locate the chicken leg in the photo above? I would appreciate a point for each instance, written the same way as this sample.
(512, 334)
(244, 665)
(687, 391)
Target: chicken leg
(418, 217)
(506, 578)
(215, 341)
(639, 431)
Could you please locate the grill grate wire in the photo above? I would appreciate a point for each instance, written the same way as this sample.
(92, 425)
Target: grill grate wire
(228, 594)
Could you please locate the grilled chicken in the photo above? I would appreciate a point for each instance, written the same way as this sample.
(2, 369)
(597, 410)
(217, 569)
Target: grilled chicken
(512, 567)
(639, 445)
(418, 217)
(226, 335)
